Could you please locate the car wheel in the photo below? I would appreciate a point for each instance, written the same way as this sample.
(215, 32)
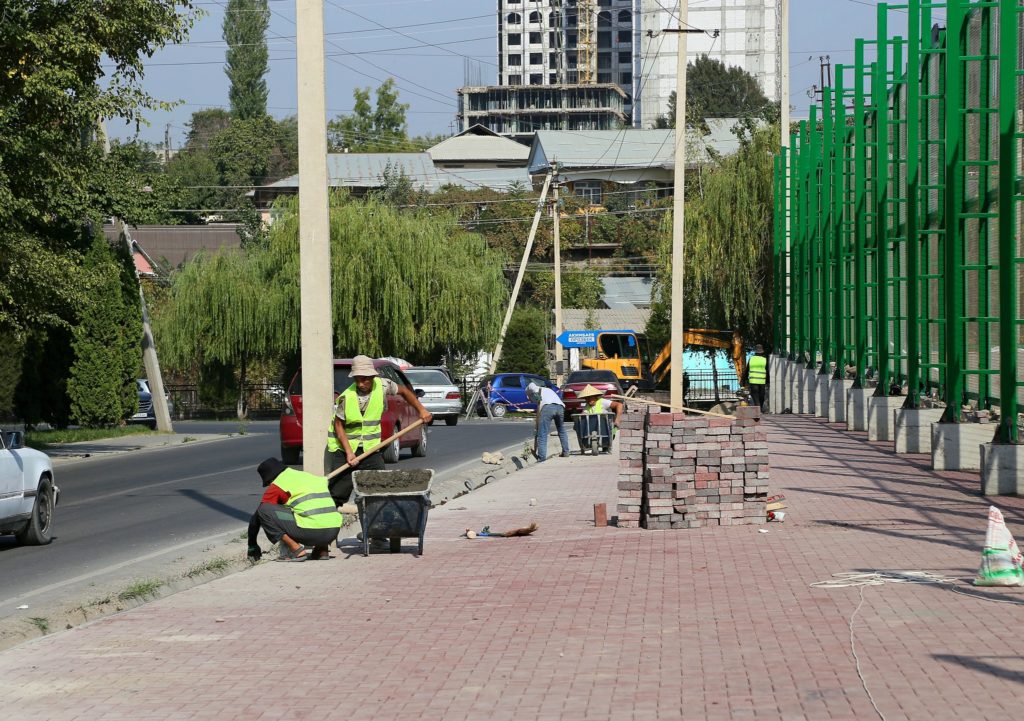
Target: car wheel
(290, 456)
(451, 421)
(498, 410)
(151, 425)
(37, 532)
(420, 449)
(390, 454)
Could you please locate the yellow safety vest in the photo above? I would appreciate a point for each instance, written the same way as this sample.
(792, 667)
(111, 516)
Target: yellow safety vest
(310, 499)
(362, 429)
(595, 409)
(758, 370)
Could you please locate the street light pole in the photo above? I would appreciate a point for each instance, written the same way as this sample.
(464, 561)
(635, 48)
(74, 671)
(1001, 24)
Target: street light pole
(314, 235)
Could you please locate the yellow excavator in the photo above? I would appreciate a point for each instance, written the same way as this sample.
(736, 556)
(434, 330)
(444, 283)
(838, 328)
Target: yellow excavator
(619, 352)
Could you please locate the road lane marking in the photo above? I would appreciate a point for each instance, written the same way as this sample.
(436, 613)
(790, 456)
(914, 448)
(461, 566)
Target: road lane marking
(117, 494)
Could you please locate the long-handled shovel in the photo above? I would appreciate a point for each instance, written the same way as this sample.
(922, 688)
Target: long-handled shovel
(347, 507)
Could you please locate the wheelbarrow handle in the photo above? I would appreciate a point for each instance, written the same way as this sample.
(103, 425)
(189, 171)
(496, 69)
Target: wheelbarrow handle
(376, 448)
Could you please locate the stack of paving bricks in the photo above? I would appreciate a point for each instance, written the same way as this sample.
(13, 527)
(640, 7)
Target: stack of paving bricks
(682, 471)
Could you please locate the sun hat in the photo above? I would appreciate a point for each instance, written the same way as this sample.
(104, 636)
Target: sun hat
(270, 469)
(589, 391)
(362, 365)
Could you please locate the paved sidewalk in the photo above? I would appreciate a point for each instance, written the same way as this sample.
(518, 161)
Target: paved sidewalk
(583, 623)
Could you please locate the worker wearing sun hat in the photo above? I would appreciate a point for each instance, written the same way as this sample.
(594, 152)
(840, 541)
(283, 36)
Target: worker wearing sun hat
(597, 403)
(356, 425)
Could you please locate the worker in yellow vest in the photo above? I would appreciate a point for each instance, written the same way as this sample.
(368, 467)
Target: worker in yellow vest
(356, 424)
(297, 511)
(597, 403)
(757, 376)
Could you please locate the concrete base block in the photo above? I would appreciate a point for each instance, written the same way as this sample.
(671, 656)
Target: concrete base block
(880, 417)
(778, 373)
(957, 446)
(837, 392)
(796, 384)
(914, 429)
(821, 398)
(810, 390)
(857, 408)
(1002, 469)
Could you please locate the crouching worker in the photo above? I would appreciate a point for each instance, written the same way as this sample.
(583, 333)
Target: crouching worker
(597, 403)
(296, 510)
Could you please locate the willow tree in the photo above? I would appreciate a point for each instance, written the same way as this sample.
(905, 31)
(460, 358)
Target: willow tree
(403, 283)
(728, 245)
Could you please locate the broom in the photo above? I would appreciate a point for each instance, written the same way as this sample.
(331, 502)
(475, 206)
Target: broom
(528, 530)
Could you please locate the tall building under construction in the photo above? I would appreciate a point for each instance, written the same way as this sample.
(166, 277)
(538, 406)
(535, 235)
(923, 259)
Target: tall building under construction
(550, 50)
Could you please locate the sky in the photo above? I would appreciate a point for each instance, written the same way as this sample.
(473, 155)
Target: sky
(425, 45)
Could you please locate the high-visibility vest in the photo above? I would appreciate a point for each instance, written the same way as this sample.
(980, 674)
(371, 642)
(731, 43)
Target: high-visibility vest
(310, 499)
(758, 370)
(595, 409)
(362, 428)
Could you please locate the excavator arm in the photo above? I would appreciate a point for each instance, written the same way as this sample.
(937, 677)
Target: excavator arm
(724, 339)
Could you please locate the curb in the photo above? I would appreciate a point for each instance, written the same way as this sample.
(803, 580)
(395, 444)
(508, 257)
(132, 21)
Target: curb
(459, 484)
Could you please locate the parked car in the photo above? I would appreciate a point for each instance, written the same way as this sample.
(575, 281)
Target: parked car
(576, 381)
(440, 396)
(507, 392)
(398, 414)
(28, 493)
(146, 412)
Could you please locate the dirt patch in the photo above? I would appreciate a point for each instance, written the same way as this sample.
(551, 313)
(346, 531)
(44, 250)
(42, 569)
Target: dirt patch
(370, 483)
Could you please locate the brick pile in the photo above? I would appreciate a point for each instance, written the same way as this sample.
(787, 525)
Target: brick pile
(682, 471)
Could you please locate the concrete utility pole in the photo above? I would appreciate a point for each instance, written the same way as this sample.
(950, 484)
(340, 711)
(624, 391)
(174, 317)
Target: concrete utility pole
(522, 270)
(314, 236)
(781, 398)
(558, 275)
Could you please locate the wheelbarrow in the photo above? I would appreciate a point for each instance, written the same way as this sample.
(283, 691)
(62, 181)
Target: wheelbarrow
(593, 431)
(393, 505)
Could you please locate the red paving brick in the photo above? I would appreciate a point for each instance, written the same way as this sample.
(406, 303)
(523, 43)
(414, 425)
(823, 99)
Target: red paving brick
(579, 622)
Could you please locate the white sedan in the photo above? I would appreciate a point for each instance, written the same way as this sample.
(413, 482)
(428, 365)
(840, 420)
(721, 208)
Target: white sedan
(28, 494)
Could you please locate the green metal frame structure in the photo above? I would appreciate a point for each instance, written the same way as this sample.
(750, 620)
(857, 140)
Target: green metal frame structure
(899, 248)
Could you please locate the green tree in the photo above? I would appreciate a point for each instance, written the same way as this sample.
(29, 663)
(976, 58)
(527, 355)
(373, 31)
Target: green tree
(581, 288)
(715, 90)
(369, 129)
(246, 59)
(106, 341)
(204, 125)
(524, 349)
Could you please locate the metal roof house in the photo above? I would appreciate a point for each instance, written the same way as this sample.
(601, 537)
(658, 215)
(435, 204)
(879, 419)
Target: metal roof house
(478, 146)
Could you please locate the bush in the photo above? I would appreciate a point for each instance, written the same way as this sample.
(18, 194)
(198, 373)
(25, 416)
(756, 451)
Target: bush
(524, 349)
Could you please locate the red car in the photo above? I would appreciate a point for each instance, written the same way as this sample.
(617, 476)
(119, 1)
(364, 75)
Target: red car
(398, 414)
(578, 380)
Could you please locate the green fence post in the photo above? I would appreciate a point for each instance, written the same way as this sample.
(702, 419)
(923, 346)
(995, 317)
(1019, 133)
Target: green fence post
(913, 180)
(860, 277)
(880, 99)
(839, 190)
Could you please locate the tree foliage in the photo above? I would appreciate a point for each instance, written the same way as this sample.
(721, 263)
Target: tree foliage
(524, 349)
(246, 59)
(369, 128)
(715, 90)
(729, 247)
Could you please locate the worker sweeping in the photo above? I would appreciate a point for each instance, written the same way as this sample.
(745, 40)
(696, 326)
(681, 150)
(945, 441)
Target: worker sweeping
(597, 403)
(356, 425)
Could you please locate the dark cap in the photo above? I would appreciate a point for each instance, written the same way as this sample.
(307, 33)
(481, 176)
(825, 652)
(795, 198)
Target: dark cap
(269, 470)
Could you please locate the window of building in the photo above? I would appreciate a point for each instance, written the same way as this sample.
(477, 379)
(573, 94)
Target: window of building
(588, 190)
(552, 60)
(625, 36)
(572, 77)
(535, 17)
(571, 19)
(604, 77)
(570, 60)
(552, 40)
(536, 58)
(570, 40)
(604, 39)
(625, 78)
(552, 80)
(625, 57)
(514, 18)
(515, 39)
(535, 39)
(625, 16)
(604, 3)
(515, 79)
(536, 79)
(553, 20)
(604, 19)
(515, 59)
(604, 60)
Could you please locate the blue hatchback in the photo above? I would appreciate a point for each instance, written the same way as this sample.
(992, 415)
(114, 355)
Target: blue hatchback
(507, 392)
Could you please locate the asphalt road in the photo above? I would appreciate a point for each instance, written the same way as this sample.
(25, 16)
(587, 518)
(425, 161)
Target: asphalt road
(125, 516)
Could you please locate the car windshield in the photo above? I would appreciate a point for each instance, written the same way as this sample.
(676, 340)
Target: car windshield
(427, 377)
(342, 380)
(592, 377)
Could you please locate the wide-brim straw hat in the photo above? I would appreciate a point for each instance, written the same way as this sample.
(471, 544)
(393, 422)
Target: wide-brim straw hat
(362, 365)
(589, 392)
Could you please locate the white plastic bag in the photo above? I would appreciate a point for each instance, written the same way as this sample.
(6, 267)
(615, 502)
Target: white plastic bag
(1001, 558)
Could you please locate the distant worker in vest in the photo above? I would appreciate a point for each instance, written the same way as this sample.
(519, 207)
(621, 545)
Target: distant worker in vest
(757, 376)
(296, 511)
(597, 403)
(549, 407)
(356, 425)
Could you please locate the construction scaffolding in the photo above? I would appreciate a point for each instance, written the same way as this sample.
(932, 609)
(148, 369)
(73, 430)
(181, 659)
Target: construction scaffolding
(901, 191)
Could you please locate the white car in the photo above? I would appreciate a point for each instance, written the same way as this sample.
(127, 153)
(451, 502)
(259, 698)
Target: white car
(28, 494)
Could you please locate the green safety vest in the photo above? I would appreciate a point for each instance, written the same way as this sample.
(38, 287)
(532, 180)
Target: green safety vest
(758, 370)
(596, 409)
(362, 429)
(310, 499)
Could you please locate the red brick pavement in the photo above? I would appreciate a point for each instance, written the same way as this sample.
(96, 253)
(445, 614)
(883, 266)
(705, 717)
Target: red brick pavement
(579, 622)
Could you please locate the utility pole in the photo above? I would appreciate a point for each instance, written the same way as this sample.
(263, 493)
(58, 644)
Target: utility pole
(522, 270)
(558, 276)
(167, 144)
(678, 214)
(781, 395)
(314, 235)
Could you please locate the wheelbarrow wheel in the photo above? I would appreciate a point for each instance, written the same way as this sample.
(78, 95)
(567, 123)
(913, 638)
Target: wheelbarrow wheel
(396, 544)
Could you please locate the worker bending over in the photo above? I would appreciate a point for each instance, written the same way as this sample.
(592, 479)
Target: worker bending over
(549, 407)
(296, 510)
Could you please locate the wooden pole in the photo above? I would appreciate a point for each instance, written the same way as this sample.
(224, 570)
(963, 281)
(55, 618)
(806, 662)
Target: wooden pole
(684, 409)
